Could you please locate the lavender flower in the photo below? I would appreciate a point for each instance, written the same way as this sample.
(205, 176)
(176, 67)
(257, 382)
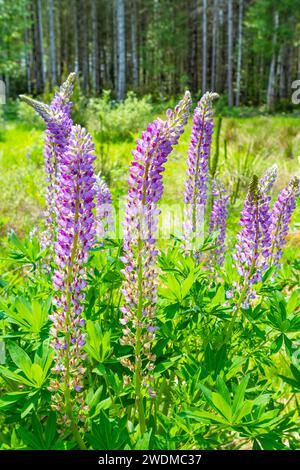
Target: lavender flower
(140, 284)
(268, 179)
(218, 218)
(251, 241)
(104, 220)
(75, 236)
(59, 124)
(280, 219)
(195, 193)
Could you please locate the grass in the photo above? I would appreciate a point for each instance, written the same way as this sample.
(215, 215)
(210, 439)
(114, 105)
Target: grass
(253, 144)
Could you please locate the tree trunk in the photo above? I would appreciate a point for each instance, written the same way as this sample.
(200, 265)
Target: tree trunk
(239, 56)
(229, 52)
(215, 43)
(204, 46)
(135, 71)
(41, 41)
(193, 62)
(52, 45)
(96, 49)
(271, 81)
(121, 50)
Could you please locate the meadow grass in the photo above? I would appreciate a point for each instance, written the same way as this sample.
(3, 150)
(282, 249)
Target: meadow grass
(247, 146)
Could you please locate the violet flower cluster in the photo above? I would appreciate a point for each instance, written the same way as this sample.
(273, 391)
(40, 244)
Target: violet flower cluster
(141, 218)
(195, 193)
(251, 241)
(75, 236)
(57, 117)
(217, 223)
(280, 219)
(104, 219)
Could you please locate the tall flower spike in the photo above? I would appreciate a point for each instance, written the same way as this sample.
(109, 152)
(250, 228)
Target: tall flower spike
(280, 219)
(195, 193)
(57, 117)
(141, 218)
(218, 218)
(268, 179)
(75, 225)
(251, 241)
(104, 220)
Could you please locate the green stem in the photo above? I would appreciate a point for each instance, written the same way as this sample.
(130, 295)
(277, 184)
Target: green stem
(138, 346)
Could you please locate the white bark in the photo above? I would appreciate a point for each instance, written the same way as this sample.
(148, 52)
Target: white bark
(229, 52)
(239, 56)
(204, 46)
(121, 50)
(271, 81)
(135, 71)
(215, 44)
(52, 45)
(95, 52)
(41, 41)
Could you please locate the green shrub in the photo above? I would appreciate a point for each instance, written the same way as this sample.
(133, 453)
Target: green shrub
(111, 121)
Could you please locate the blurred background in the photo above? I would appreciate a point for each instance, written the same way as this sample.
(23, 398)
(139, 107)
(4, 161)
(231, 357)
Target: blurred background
(247, 50)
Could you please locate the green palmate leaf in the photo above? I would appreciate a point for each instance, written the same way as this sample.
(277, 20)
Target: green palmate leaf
(202, 416)
(14, 376)
(217, 402)
(293, 302)
(239, 395)
(187, 285)
(222, 389)
(20, 358)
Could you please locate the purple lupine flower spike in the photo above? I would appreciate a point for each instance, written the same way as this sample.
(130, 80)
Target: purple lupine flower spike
(251, 241)
(280, 219)
(218, 218)
(57, 117)
(268, 179)
(104, 221)
(195, 193)
(75, 236)
(140, 226)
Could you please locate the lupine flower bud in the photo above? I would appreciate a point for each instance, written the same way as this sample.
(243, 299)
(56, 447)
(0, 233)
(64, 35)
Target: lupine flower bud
(195, 193)
(280, 219)
(57, 117)
(141, 218)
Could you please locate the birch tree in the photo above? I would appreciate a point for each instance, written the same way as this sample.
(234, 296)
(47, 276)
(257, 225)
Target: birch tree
(272, 70)
(121, 78)
(204, 46)
(215, 43)
(229, 52)
(239, 56)
(134, 56)
(52, 45)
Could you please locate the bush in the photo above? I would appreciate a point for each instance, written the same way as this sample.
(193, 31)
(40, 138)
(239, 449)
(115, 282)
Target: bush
(112, 121)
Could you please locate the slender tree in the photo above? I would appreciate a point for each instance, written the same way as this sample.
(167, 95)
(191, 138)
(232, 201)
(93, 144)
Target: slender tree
(239, 56)
(272, 70)
(204, 46)
(134, 55)
(121, 78)
(229, 52)
(52, 42)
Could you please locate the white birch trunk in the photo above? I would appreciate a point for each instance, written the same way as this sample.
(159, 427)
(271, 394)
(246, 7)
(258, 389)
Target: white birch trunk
(121, 50)
(239, 56)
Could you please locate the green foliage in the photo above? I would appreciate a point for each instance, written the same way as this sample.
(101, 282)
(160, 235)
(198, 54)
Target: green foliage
(111, 121)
